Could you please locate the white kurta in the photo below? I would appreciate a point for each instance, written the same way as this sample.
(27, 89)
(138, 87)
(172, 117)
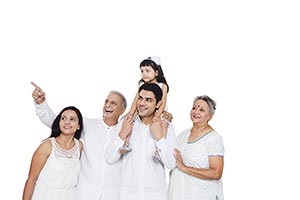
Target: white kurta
(58, 178)
(196, 154)
(97, 179)
(143, 174)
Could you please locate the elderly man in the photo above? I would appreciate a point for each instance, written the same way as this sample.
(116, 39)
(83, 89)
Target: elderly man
(97, 179)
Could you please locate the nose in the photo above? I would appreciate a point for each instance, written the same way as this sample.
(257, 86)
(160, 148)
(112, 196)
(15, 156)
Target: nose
(106, 104)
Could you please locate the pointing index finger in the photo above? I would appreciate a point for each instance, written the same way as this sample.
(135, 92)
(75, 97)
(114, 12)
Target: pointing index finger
(34, 85)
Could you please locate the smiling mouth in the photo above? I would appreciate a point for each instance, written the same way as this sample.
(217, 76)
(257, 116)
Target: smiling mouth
(109, 110)
(142, 109)
(67, 127)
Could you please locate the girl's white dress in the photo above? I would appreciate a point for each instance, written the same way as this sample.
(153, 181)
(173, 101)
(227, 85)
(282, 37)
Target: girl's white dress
(59, 175)
(196, 154)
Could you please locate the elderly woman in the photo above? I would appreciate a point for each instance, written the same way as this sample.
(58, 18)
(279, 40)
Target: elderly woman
(199, 157)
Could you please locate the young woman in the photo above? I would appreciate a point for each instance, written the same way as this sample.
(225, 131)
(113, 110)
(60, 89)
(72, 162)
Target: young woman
(55, 165)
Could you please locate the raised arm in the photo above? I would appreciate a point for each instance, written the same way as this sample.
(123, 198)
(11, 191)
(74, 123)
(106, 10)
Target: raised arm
(165, 145)
(133, 111)
(43, 111)
(163, 104)
(111, 152)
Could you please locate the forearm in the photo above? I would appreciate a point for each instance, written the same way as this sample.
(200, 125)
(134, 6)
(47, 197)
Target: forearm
(133, 105)
(111, 154)
(207, 174)
(166, 153)
(133, 109)
(160, 110)
(45, 113)
(163, 104)
(28, 189)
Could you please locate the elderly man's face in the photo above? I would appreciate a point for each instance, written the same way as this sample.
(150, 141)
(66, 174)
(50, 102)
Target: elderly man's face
(113, 107)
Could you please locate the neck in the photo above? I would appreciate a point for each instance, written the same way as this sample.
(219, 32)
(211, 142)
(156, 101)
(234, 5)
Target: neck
(110, 122)
(200, 126)
(147, 120)
(201, 129)
(65, 141)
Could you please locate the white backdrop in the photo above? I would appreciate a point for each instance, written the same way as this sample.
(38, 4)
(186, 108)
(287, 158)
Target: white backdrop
(242, 54)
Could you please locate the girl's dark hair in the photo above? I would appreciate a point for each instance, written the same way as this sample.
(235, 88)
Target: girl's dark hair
(55, 129)
(160, 77)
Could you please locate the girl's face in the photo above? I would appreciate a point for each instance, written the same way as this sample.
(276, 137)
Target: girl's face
(148, 74)
(200, 112)
(69, 122)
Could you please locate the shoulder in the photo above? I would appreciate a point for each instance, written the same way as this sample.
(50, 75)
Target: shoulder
(214, 137)
(45, 147)
(163, 86)
(47, 143)
(90, 121)
(183, 134)
(80, 144)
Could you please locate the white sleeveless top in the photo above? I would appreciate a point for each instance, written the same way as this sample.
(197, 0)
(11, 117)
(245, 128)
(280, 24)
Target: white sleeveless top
(59, 175)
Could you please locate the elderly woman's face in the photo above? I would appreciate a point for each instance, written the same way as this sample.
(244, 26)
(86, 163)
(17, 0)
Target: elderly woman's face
(200, 112)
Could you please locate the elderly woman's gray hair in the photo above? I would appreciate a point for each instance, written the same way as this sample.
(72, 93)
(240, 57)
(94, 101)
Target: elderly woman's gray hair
(211, 103)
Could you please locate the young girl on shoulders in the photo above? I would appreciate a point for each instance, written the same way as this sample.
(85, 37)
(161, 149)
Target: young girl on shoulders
(151, 72)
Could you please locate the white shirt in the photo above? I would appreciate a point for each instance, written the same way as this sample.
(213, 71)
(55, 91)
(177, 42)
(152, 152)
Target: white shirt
(143, 174)
(97, 179)
(196, 154)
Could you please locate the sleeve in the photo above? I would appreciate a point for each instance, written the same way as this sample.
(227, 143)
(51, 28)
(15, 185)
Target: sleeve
(215, 146)
(45, 113)
(165, 147)
(111, 152)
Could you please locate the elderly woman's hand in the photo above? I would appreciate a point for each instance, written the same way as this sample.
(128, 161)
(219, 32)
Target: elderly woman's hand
(179, 159)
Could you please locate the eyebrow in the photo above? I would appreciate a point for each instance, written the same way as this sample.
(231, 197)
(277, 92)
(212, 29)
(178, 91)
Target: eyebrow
(146, 97)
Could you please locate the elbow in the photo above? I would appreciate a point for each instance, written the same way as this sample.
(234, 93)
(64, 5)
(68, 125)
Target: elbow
(108, 160)
(217, 176)
(111, 159)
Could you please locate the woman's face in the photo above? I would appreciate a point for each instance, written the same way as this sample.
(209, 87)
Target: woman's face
(200, 112)
(69, 122)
